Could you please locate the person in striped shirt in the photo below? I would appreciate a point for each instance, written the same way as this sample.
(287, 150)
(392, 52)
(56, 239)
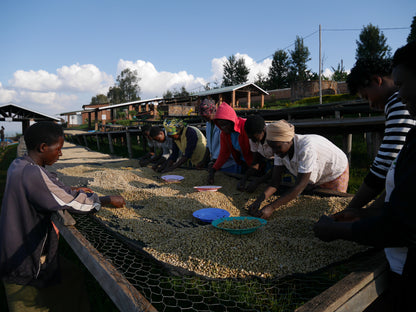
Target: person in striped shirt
(372, 80)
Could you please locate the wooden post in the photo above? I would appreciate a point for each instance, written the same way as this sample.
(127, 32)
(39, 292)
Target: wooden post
(347, 146)
(110, 143)
(128, 113)
(89, 120)
(85, 140)
(249, 99)
(233, 100)
(262, 100)
(374, 140)
(124, 295)
(96, 120)
(98, 141)
(128, 141)
(355, 292)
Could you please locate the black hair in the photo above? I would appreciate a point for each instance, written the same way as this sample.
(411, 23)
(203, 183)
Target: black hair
(42, 132)
(254, 124)
(406, 56)
(154, 131)
(146, 127)
(364, 69)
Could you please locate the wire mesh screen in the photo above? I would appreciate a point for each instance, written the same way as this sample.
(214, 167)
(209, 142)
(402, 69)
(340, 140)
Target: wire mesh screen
(168, 291)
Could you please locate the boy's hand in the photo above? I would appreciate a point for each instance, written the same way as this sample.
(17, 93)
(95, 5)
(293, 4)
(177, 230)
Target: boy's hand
(115, 200)
(82, 188)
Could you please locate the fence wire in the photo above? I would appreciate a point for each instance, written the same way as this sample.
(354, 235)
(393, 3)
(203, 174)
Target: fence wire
(168, 291)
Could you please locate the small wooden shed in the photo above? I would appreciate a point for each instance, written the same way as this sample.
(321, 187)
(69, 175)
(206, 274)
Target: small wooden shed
(233, 94)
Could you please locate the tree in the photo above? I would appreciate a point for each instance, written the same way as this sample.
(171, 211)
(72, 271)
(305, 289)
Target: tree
(128, 83)
(372, 44)
(115, 95)
(339, 73)
(99, 99)
(412, 35)
(278, 74)
(299, 58)
(235, 72)
(168, 94)
(181, 93)
(261, 81)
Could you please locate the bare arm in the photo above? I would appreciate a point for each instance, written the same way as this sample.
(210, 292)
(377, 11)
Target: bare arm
(302, 181)
(364, 195)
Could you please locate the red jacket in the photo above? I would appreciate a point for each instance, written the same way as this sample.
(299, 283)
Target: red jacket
(226, 112)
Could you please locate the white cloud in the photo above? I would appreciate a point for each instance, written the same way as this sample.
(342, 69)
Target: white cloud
(84, 78)
(73, 86)
(39, 80)
(49, 102)
(254, 67)
(6, 95)
(154, 83)
(49, 93)
(327, 72)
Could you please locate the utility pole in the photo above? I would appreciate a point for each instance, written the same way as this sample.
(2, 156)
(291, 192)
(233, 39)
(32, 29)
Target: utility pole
(320, 65)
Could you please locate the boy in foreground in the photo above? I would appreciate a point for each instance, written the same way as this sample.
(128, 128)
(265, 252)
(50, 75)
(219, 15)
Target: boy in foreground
(29, 263)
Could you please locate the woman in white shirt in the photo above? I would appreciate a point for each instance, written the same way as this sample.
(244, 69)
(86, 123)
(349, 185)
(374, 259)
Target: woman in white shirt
(314, 160)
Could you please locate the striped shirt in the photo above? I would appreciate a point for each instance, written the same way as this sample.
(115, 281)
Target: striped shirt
(398, 123)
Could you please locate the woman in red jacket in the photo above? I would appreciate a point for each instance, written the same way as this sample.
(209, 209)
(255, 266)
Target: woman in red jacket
(233, 140)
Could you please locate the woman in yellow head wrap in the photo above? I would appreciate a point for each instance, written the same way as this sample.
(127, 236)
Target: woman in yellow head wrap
(187, 139)
(313, 159)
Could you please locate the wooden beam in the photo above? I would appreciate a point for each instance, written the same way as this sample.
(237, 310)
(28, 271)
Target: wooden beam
(249, 99)
(355, 292)
(262, 100)
(124, 295)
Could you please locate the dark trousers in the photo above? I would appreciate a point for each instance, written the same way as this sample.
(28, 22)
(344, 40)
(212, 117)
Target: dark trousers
(69, 295)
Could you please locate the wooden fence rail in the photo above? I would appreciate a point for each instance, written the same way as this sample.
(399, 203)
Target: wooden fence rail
(373, 127)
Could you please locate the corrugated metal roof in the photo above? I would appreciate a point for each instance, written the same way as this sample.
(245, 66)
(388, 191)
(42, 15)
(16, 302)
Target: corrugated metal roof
(13, 109)
(230, 89)
(130, 103)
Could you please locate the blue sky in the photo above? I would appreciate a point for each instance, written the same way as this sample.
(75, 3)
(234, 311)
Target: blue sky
(56, 55)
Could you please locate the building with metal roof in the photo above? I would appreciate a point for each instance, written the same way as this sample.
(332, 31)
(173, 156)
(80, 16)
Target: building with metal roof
(12, 112)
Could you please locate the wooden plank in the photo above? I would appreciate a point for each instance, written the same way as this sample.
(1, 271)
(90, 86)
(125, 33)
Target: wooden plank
(124, 295)
(355, 292)
(128, 141)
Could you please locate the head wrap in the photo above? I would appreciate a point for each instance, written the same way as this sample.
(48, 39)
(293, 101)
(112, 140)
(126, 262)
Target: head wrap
(173, 126)
(280, 131)
(207, 107)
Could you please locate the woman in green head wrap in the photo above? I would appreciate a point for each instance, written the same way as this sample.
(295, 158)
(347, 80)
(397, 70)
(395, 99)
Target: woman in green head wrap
(187, 139)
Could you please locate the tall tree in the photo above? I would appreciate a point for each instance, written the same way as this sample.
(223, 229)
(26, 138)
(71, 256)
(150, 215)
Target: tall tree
(99, 99)
(128, 82)
(168, 94)
(235, 72)
(299, 58)
(181, 93)
(278, 74)
(339, 73)
(261, 81)
(115, 95)
(412, 35)
(372, 44)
